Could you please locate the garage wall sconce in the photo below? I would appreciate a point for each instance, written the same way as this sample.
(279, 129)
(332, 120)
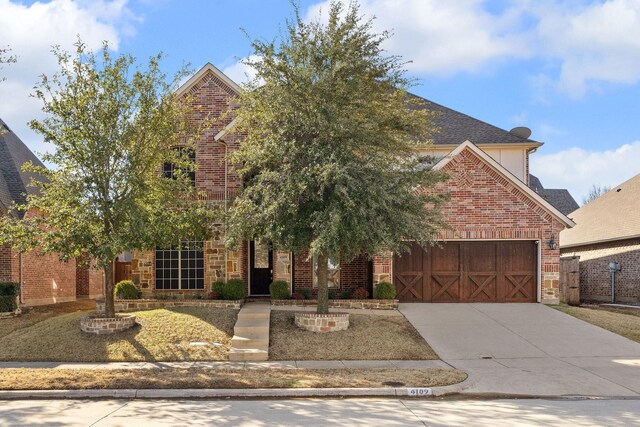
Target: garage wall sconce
(552, 244)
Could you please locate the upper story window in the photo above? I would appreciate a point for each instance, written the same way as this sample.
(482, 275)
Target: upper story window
(169, 169)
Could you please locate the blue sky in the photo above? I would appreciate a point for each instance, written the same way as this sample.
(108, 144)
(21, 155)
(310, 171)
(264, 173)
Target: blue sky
(569, 70)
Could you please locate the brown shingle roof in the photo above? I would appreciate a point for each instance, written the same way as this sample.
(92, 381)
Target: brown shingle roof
(612, 216)
(14, 183)
(561, 199)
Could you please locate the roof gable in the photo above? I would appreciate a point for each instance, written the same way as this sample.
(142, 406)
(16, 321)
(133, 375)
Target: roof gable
(613, 216)
(497, 167)
(209, 70)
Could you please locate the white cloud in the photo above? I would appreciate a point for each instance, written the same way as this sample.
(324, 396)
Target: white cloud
(595, 43)
(32, 30)
(442, 37)
(240, 72)
(577, 169)
(583, 43)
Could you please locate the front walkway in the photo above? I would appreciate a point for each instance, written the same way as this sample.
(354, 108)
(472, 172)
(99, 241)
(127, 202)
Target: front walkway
(528, 349)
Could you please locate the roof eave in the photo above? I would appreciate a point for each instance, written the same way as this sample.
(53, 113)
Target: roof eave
(597, 242)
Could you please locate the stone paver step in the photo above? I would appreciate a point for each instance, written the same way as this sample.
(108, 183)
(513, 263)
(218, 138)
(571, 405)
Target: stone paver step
(251, 326)
(262, 314)
(248, 354)
(251, 341)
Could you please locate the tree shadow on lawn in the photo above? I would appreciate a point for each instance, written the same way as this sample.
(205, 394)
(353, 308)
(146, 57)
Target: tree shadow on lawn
(160, 335)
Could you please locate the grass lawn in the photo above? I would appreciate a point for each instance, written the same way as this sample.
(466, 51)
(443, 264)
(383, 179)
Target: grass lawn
(161, 335)
(47, 379)
(622, 321)
(43, 312)
(369, 337)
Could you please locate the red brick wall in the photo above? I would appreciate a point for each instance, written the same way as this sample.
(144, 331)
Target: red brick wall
(212, 99)
(46, 280)
(595, 277)
(9, 264)
(353, 274)
(96, 283)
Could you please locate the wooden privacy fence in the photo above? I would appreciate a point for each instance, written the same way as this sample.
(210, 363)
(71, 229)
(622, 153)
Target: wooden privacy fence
(570, 280)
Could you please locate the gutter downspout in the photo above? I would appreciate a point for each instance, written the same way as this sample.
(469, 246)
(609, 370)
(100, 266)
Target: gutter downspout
(226, 207)
(20, 277)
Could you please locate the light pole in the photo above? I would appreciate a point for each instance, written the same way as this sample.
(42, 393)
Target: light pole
(613, 268)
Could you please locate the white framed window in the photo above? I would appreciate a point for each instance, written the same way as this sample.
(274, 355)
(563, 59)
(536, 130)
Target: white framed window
(333, 272)
(180, 267)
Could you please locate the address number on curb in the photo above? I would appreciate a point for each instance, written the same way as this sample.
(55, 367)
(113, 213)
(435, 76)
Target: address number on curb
(419, 391)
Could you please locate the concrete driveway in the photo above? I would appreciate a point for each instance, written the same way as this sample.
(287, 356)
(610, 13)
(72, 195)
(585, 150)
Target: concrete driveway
(528, 349)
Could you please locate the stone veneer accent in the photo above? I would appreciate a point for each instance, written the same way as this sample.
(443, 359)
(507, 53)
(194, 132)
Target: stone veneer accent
(107, 325)
(314, 322)
(368, 304)
(219, 265)
(125, 305)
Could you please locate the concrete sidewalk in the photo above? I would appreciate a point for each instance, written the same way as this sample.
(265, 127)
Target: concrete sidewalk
(528, 349)
(300, 364)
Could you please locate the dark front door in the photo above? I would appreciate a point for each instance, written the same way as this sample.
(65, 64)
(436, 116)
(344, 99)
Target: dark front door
(261, 268)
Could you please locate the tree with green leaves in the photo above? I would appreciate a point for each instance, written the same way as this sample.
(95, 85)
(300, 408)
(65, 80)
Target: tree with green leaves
(113, 125)
(328, 154)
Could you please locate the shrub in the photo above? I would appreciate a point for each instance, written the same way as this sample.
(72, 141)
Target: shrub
(233, 290)
(279, 290)
(361, 293)
(216, 290)
(126, 289)
(332, 294)
(297, 296)
(346, 294)
(385, 290)
(9, 292)
(305, 292)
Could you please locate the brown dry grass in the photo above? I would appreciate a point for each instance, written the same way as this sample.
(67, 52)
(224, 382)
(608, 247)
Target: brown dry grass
(51, 379)
(625, 322)
(161, 335)
(369, 337)
(43, 312)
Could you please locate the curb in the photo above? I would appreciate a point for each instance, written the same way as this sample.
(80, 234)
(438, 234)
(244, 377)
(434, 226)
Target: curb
(230, 393)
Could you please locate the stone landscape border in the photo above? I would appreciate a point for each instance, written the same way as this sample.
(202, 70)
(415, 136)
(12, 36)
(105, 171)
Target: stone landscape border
(107, 325)
(369, 304)
(315, 322)
(127, 305)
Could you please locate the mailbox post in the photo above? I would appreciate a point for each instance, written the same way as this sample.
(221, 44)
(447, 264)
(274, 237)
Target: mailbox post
(614, 267)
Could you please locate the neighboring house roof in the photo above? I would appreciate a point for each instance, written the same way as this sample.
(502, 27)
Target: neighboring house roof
(467, 145)
(456, 127)
(560, 198)
(14, 183)
(613, 216)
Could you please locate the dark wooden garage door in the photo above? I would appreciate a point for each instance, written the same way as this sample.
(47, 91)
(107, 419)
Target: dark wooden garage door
(494, 271)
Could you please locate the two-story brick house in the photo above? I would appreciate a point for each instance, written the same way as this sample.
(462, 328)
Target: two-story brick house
(502, 246)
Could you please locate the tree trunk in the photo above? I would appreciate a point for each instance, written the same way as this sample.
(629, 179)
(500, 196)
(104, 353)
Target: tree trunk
(322, 271)
(109, 308)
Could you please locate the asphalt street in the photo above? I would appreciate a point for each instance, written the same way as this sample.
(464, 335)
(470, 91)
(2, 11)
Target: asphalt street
(321, 412)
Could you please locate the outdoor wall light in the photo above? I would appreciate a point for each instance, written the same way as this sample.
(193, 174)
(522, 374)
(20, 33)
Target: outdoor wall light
(552, 244)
